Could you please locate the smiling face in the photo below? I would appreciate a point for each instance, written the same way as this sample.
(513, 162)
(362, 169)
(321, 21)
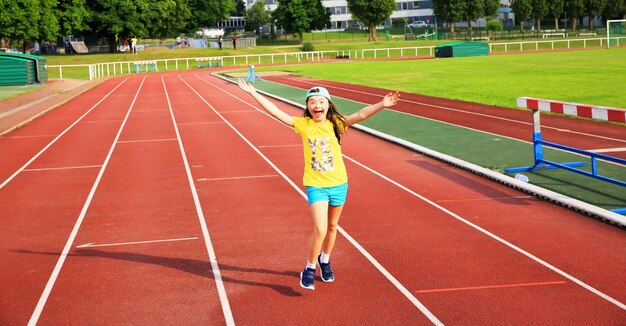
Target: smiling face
(318, 108)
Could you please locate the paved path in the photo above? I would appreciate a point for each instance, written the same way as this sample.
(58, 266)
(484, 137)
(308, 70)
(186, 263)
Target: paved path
(20, 110)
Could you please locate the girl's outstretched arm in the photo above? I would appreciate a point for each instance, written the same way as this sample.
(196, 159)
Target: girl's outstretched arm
(389, 100)
(266, 104)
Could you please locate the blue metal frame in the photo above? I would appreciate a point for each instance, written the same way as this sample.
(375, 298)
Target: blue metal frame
(541, 163)
(251, 77)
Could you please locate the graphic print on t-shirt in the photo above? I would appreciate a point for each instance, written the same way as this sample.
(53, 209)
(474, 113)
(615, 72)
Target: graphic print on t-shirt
(325, 162)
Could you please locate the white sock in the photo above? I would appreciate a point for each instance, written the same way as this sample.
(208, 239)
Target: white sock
(325, 258)
(309, 265)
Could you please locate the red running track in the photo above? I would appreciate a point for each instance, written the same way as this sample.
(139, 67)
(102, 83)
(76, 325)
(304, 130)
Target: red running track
(172, 199)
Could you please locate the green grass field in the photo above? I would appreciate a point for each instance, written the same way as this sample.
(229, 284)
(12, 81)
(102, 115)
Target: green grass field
(589, 77)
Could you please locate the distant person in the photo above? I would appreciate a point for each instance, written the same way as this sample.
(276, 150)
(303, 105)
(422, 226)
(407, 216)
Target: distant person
(36, 48)
(177, 41)
(130, 46)
(234, 39)
(321, 129)
(219, 41)
(133, 47)
(186, 41)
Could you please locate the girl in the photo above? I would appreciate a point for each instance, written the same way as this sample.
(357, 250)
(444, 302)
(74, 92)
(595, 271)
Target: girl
(325, 176)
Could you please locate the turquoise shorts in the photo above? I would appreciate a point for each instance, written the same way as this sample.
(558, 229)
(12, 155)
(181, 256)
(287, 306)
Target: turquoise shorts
(335, 196)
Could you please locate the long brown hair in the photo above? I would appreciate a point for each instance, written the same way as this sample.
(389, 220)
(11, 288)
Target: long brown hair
(337, 119)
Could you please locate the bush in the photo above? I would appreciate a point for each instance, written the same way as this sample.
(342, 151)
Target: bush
(308, 47)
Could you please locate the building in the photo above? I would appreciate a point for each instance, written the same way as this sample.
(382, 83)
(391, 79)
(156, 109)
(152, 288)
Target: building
(410, 11)
(341, 18)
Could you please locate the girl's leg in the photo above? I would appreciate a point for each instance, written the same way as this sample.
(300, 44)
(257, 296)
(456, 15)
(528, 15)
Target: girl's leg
(319, 211)
(334, 212)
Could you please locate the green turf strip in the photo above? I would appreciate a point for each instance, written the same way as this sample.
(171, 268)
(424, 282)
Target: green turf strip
(12, 91)
(483, 149)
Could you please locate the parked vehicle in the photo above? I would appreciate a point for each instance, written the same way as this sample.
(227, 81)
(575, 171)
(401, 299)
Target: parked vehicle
(356, 27)
(418, 24)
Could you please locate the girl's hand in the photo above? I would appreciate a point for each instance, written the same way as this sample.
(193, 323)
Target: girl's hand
(391, 99)
(247, 87)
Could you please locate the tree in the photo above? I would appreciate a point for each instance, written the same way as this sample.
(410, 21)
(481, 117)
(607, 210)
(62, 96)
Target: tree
(493, 25)
(371, 13)
(555, 8)
(300, 16)
(48, 24)
(593, 9)
(17, 19)
(240, 8)
(522, 10)
(614, 9)
(539, 10)
(575, 9)
(450, 11)
(73, 16)
(257, 16)
(473, 11)
(117, 18)
(210, 12)
(167, 18)
(491, 8)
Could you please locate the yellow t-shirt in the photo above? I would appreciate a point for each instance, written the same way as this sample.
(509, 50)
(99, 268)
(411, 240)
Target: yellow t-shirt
(323, 163)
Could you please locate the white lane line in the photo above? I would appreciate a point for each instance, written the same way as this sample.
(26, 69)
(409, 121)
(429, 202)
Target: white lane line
(102, 121)
(471, 113)
(495, 237)
(63, 168)
(362, 250)
(489, 287)
(240, 111)
(68, 245)
(482, 199)
(238, 178)
(93, 245)
(200, 123)
(278, 146)
(145, 140)
(607, 150)
(217, 275)
(59, 136)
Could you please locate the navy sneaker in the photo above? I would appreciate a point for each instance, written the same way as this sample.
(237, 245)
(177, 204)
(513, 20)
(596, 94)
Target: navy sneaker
(307, 278)
(327, 272)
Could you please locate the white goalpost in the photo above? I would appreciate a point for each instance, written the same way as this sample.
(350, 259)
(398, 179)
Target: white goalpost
(615, 32)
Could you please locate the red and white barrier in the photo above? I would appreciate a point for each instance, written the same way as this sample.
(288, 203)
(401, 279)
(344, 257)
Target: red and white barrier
(580, 110)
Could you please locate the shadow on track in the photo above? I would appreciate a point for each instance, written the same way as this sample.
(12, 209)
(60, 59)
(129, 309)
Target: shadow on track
(192, 266)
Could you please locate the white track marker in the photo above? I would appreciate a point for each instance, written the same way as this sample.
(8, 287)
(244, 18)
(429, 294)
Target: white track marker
(68, 245)
(92, 245)
(145, 140)
(63, 168)
(59, 136)
(362, 250)
(217, 275)
(239, 178)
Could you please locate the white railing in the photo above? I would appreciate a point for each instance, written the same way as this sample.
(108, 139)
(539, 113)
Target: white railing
(107, 69)
(521, 46)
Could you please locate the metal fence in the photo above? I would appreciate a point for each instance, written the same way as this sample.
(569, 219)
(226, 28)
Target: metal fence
(106, 69)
